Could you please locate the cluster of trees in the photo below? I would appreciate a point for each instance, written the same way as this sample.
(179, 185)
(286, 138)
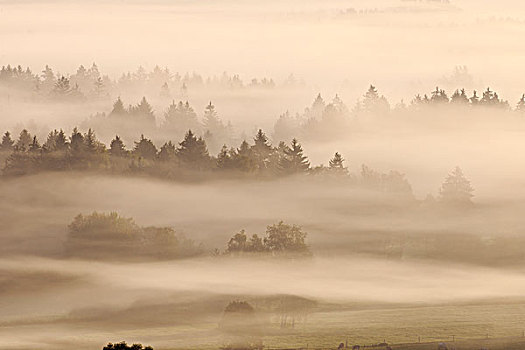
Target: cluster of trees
(83, 151)
(323, 120)
(280, 238)
(89, 83)
(84, 84)
(178, 119)
(110, 236)
(124, 346)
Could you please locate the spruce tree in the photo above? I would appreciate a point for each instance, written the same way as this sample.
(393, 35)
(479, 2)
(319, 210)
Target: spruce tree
(145, 149)
(117, 147)
(456, 189)
(167, 152)
(7, 144)
(23, 142)
(193, 151)
(294, 161)
(336, 164)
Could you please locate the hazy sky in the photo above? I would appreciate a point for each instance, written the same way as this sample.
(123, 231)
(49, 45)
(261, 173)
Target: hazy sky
(405, 44)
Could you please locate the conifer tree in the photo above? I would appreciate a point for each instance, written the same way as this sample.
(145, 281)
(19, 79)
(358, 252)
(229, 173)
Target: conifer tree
(193, 151)
(34, 147)
(456, 188)
(118, 108)
(117, 147)
(23, 142)
(294, 161)
(336, 165)
(145, 149)
(7, 144)
(167, 152)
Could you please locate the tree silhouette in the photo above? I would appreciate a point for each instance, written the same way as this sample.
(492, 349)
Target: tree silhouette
(144, 148)
(7, 144)
(23, 142)
(294, 161)
(117, 147)
(336, 165)
(193, 152)
(456, 189)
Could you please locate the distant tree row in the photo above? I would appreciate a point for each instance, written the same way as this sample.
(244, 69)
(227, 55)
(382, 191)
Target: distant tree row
(178, 119)
(89, 83)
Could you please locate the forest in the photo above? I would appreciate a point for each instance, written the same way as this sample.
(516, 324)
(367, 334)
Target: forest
(247, 175)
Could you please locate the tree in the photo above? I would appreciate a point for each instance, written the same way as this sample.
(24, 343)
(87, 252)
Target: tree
(23, 142)
(294, 161)
(439, 96)
(7, 144)
(167, 152)
(261, 151)
(318, 106)
(243, 159)
(117, 147)
(144, 111)
(336, 165)
(118, 108)
(62, 87)
(456, 189)
(459, 97)
(179, 118)
(282, 238)
(144, 148)
(34, 147)
(237, 243)
(193, 152)
(373, 103)
(520, 107)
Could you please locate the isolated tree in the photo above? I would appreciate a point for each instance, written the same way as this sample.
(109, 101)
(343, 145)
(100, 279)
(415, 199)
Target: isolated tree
(117, 147)
(144, 148)
(456, 189)
(336, 165)
(7, 144)
(294, 161)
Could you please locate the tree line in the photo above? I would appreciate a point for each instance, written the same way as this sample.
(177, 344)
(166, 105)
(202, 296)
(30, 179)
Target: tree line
(188, 159)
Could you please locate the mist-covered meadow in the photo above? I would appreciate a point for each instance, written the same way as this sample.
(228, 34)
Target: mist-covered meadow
(261, 175)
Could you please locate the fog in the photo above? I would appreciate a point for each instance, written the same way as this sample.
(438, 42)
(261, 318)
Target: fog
(244, 175)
